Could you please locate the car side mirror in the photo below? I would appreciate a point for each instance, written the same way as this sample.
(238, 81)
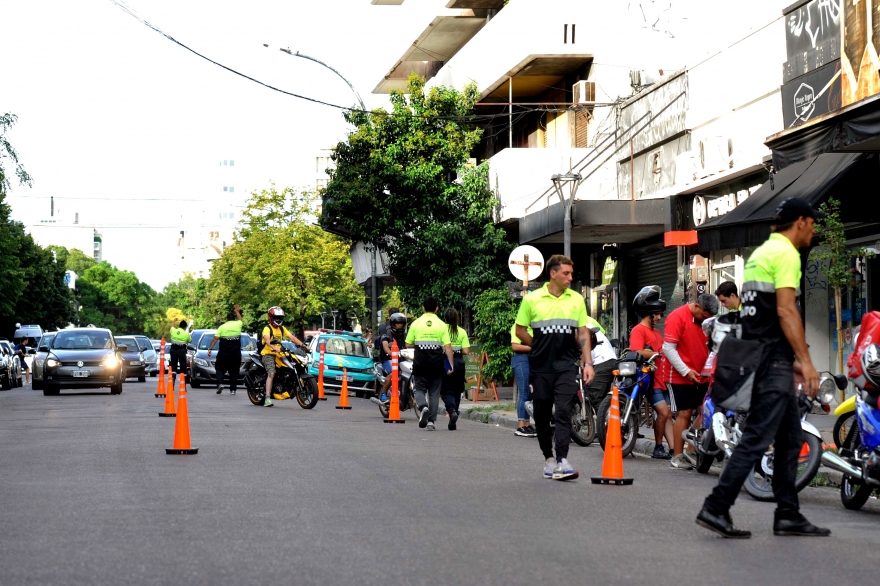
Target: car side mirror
(44, 348)
(32, 350)
(122, 348)
(190, 347)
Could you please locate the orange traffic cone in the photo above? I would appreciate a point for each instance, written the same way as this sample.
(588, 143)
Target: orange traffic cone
(181, 427)
(321, 396)
(612, 466)
(394, 409)
(160, 387)
(170, 411)
(343, 395)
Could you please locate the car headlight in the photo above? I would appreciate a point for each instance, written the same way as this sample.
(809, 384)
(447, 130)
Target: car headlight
(627, 368)
(141, 356)
(110, 361)
(52, 362)
(826, 390)
(201, 362)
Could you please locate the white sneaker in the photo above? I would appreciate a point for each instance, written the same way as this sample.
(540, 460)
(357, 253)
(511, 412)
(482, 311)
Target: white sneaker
(549, 465)
(564, 471)
(680, 462)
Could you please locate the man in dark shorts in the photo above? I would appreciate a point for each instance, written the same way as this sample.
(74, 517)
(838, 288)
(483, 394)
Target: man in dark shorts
(684, 355)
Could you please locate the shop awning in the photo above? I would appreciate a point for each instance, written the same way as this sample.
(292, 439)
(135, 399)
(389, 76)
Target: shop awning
(813, 180)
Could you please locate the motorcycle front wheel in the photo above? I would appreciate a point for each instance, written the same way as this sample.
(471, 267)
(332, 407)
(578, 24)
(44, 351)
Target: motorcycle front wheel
(759, 484)
(582, 426)
(307, 393)
(628, 428)
(842, 426)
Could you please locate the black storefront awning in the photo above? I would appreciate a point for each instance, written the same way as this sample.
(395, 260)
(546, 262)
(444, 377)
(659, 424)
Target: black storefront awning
(814, 179)
(855, 128)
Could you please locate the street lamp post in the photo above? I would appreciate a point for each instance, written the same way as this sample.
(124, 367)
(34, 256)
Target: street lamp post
(573, 180)
(334, 312)
(374, 293)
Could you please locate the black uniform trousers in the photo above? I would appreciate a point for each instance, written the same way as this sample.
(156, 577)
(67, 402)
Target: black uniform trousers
(453, 386)
(774, 415)
(551, 389)
(228, 366)
(178, 358)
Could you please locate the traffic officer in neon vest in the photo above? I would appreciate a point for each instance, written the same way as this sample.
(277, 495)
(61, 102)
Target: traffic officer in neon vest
(561, 343)
(430, 338)
(179, 339)
(770, 315)
(229, 356)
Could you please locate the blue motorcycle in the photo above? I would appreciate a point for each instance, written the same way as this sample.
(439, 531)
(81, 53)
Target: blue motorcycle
(725, 425)
(859, 458)
(634, 379)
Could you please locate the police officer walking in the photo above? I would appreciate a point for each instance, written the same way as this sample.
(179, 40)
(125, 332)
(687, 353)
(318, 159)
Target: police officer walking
(453, 384)
(770, 315)
(558, 318)
(430, 338)
(229, 355)
(179, 339)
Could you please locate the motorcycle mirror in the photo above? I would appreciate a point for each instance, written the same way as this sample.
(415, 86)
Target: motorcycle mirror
(840, 381)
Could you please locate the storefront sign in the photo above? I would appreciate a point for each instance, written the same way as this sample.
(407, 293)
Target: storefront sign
(811, 95)
(706, 209)
(609, 271)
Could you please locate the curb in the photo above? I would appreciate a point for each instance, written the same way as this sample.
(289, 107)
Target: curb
(643, 447)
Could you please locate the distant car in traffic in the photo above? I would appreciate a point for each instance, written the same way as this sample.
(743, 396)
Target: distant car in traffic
(82, 358)
(196, 335)
(132, 358)
(40, 360)
(344, 350)
(151, 356)
(203, 367)
(10, 366)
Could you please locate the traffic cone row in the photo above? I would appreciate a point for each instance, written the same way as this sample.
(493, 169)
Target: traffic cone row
(394, 409)
(343, 395)
(170, 410)
(612, 465)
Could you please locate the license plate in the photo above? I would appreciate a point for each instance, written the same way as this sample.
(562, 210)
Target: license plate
(340, 377)
(134, 363)
(80, 373)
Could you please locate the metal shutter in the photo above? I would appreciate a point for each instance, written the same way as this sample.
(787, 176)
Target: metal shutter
(656, 265)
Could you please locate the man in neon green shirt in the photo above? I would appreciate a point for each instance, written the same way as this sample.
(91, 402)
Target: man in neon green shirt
(430, 338)
(770, 315)
(229, 355)
(179, 339)
(561, 341)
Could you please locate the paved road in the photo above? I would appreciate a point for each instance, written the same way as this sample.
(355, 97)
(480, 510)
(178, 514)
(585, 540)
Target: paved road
(300, 497)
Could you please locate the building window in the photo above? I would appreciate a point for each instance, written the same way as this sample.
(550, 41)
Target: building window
(231, 189)
(232, 163)
(225, 163)
(231, 215)
(224, 188)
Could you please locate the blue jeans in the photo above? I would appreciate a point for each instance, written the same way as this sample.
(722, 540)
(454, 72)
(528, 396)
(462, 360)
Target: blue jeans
(520, 365)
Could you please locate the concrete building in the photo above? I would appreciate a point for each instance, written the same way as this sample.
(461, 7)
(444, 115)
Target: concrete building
(69, 230)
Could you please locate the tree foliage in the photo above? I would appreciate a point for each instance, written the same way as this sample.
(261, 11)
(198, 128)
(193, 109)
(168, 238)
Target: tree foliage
(494, 314)
(402, 181)
(8, 153)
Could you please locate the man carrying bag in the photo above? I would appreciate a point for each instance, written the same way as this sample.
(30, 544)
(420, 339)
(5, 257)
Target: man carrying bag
(772, 335)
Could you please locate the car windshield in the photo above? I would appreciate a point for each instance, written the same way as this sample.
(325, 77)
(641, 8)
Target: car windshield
(97, 340)
(344, 346)
(47, 340)
(144, 344)
(247, 344)
(129, 343)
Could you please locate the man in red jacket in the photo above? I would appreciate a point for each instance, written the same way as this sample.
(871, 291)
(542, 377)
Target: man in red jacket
(684, 354)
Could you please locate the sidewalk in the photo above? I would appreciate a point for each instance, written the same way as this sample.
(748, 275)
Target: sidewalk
(503, 414)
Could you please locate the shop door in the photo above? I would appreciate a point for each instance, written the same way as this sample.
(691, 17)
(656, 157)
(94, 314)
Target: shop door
(655, 265)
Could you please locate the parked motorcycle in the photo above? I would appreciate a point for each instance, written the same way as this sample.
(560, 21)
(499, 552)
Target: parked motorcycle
(859, 456)
(845, 427)
(634, 381)
(406, 392)
(583, 417)
(292, 378)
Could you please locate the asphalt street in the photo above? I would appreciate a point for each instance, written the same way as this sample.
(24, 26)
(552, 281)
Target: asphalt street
(289, 496)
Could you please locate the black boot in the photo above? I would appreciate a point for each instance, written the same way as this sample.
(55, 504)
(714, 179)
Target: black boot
(721, 524)
(797, 525)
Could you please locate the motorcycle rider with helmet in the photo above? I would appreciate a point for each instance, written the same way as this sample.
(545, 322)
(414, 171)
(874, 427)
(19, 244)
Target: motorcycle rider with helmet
(272, 335)
(647, 340)
(396, 331)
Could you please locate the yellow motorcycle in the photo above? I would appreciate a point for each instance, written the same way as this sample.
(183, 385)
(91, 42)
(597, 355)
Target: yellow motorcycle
(845, 426)
(292, 379)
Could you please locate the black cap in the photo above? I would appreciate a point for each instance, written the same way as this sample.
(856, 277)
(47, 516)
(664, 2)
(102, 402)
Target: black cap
(793, 208)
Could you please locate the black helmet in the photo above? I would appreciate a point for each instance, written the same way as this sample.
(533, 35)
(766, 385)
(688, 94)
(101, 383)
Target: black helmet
(648, 302)
(398, 318)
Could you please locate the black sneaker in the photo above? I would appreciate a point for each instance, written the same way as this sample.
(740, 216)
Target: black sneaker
(660, 453)
(231, 392)
(522, 432)
(453, 417)
(219, 390)
(423, 418)
(532, 431)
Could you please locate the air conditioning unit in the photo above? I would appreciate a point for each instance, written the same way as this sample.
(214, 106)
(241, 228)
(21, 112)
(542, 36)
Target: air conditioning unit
(584, 92)
(715, 154)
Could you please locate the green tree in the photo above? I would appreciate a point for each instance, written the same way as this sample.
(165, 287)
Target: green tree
(281, 258)
(835, 262)
(46, 300)
(494, 314)
(402, 181)
(8, 153)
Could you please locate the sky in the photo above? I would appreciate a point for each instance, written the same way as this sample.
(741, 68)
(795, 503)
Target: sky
(128, 129)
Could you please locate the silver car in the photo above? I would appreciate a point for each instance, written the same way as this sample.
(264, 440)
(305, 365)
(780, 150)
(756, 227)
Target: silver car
(10, 366)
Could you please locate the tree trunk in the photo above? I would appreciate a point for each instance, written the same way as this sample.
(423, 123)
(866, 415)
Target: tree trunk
(839, 337)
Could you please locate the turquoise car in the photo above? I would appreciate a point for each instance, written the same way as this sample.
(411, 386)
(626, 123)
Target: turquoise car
(344, 350)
